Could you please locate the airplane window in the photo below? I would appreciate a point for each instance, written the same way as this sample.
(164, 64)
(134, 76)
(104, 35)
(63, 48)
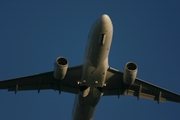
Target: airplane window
(102, 39)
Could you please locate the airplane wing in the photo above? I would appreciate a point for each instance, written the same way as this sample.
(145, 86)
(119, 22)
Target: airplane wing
(140, 88)
(45, 81)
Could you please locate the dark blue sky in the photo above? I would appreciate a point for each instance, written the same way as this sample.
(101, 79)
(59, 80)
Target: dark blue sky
(33, 34)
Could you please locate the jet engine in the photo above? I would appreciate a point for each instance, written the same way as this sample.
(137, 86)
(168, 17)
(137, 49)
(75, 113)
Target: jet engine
(130, 72)
(60, 68)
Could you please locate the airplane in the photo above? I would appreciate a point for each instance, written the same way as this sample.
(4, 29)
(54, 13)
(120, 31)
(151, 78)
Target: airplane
(94, 78)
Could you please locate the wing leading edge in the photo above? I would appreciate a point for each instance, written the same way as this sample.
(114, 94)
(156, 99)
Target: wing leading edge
(140, 88)
(45, 81)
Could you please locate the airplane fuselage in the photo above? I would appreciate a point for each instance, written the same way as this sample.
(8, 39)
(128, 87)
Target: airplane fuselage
(95, 66)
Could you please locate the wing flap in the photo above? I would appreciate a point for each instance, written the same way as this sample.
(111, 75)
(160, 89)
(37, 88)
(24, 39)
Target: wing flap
(33, 87)
(140, 88)
(157, 91)
(143, 95)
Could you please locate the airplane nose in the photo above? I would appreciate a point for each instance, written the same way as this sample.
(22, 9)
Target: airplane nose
(103, 24)
(104, 19)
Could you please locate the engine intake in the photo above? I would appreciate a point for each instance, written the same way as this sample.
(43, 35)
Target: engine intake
(130, 72)
(60, 68)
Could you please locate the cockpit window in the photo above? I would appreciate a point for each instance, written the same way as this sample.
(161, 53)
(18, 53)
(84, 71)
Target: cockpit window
(102, 39)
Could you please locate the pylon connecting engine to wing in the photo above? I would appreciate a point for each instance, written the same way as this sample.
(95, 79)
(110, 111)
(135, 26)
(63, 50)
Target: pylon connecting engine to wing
(130, 72)
(60, 68)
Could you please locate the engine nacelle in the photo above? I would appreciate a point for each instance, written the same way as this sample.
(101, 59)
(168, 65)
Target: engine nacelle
(130, 72)
(60, 68)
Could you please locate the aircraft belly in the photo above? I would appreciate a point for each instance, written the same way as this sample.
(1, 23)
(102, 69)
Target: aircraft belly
(92, 98)
(85, 105)
(94, 71)
(85, 112)
(93, 76)
(97, 57)
(95, 51)
(97, 54)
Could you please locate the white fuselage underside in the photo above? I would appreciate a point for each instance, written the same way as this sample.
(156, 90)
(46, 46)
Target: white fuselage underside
(95, 66)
